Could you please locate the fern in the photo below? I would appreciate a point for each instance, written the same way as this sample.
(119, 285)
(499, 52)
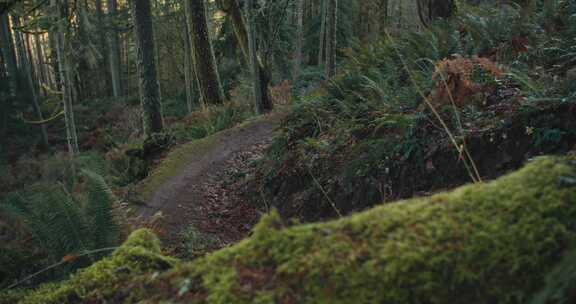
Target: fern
(63, 224)
(102, 227)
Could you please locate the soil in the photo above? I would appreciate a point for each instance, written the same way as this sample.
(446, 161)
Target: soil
(206, 197)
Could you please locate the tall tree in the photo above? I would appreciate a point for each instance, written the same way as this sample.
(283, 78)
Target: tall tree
(41, 64)
(232, 9)
(299, 38)
(26, 67)
(189, 75)
(202, 53)
(8, 53)
(147, 77)
(331, 23)
(322, 46)
(254, 57)
(60, 8)
(114, 50)
(102, 49)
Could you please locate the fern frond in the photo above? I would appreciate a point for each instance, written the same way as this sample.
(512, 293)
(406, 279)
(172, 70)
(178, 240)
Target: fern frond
(100, 200)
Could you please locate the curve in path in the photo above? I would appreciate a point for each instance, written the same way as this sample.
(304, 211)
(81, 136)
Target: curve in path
(186, 200)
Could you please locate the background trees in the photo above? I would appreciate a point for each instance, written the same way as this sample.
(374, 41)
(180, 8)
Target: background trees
(202, 53)
(147, 75)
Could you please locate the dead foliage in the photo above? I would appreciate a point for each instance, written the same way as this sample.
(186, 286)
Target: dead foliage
(455, 83)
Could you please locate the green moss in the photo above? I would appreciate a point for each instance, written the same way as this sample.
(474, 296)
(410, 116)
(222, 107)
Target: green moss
(485, 243)
(488, 243)
(140, 254)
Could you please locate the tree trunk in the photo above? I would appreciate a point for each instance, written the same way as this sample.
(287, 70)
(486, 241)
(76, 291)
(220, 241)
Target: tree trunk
(442, 9)
(202, 53)
(60, 7)
(105, 82)
(156, 47)
(188, 71)
(8, 54)
(299, 38)
(114, 51)
(322, 47)
(232, 9)
(430, 10)
(53, 60)
(43, 75)
(331, 20)
(147, 77)
(253, 56)
(20, 51)
(26, 67)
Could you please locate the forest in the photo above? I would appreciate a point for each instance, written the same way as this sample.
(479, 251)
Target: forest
(288, 151)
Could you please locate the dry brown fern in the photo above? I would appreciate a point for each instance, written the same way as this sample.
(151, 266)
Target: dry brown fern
(454, 81)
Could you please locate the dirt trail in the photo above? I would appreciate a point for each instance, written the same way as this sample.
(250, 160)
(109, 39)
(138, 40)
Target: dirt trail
(205, 195)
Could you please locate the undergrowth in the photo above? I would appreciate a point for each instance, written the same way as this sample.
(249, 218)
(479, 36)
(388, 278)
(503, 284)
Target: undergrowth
(58, 224)
(485, 243)
(496, 82)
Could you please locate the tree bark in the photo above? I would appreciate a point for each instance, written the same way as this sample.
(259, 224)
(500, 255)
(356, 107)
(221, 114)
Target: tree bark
(232, 9)
(188, 70)
(322, 46)
(202, 53)
(106, 81)
(430, 10)
(26, 67)
(299, 38)
(9, 54)
(331, 20)
(60, 7)
(43, 75)
(253, 56)
(114, 50)
(147, 77)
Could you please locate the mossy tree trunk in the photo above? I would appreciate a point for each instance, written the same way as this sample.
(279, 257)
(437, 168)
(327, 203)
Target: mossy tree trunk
(114, 50)
(26, 67)
(65, 73)
(251, 25)
(232, 9)
(189, 75)
(105, 82)
(202, 53)
(322, 46)
(8, 54)
(43, 75)
(299, 38)
(331, 24)
(147, 76)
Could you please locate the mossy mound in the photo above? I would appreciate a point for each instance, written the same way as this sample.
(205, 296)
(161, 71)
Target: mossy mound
(484, 243)
(138, 255)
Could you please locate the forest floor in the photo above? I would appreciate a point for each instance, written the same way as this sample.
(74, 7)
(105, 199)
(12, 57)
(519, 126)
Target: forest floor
(203, 204)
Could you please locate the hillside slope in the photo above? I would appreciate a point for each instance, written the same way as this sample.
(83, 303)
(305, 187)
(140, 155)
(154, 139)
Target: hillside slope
(485, 243)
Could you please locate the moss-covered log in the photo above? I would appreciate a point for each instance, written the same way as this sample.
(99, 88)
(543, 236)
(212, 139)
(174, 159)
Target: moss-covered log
(484, 243)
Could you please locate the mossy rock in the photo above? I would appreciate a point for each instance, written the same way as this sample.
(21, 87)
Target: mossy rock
(485, 243)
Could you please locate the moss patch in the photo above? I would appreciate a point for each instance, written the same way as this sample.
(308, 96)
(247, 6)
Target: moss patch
(139, 254)
(484, 243)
